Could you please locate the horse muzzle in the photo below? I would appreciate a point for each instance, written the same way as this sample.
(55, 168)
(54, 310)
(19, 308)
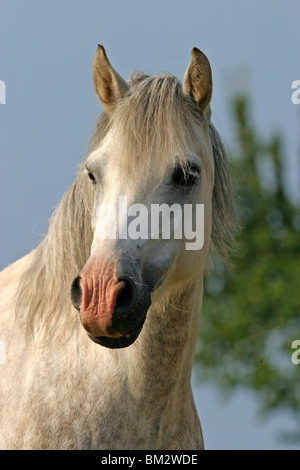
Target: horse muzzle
(112, 301)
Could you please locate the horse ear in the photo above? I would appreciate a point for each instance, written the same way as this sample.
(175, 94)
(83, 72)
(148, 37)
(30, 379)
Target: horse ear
(108, 84)
(197, 81)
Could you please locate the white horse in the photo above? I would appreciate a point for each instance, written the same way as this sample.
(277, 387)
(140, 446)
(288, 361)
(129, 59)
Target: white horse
(113, 370)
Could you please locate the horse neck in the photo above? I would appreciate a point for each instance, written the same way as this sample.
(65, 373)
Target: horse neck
(160, 362)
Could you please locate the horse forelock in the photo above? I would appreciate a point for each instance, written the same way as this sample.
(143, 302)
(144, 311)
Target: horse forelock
(152, 126)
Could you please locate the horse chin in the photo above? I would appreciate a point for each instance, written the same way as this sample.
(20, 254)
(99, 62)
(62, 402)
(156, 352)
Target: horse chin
(117, 343)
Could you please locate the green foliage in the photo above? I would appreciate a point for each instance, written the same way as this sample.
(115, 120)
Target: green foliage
(251, 312)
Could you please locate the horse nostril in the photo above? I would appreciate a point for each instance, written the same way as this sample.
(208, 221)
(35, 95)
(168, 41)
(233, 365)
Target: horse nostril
(76, 293)
(126, 297)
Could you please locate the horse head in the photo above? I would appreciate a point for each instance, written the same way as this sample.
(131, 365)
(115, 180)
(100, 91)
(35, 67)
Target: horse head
(153, 178)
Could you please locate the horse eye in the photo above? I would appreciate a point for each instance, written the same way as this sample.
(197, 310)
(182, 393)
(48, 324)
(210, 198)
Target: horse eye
(185, 177)
(92, 177)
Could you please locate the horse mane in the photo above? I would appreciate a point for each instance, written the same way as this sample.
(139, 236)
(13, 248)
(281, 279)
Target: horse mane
(143, 122)
(44, 290)
(225, 223)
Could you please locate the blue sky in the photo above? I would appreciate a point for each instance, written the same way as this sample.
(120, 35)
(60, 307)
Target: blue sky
(46, 53)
